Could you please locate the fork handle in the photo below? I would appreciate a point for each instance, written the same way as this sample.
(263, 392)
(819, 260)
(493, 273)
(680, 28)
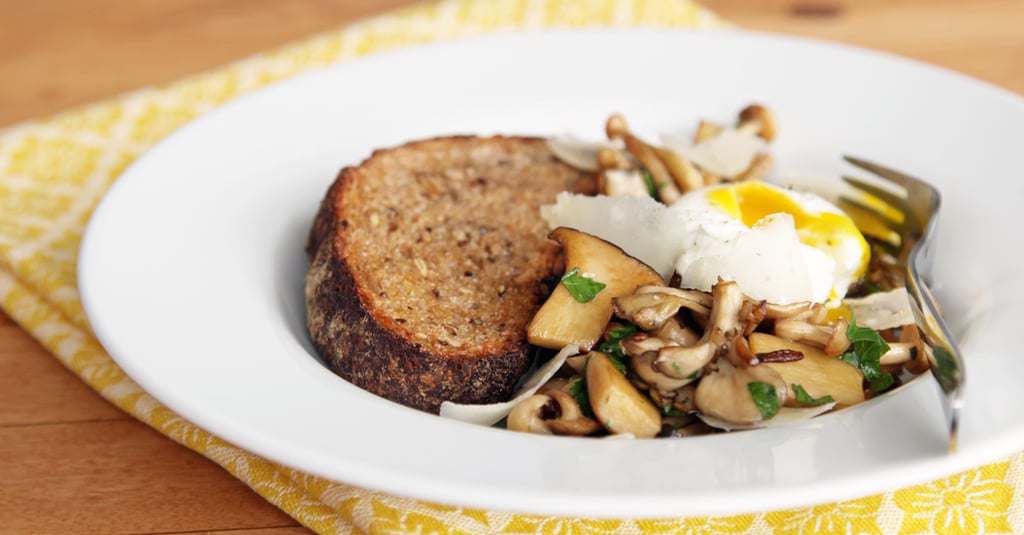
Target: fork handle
(945, 360)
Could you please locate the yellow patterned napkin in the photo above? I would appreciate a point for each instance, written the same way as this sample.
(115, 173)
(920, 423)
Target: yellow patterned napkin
(54, 171)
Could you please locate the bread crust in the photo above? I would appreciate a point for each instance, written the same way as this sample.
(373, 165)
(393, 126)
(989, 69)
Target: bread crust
(352, 318)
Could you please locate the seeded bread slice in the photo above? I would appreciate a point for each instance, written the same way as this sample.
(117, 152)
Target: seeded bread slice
(427, 262)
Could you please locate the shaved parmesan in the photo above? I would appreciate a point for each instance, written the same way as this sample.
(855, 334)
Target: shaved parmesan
(492, 413)
(727, 154)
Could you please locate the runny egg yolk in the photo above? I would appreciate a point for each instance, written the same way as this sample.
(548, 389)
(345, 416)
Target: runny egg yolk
(825, 229)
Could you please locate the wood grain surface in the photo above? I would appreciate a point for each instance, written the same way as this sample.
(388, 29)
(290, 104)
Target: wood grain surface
(72, 463)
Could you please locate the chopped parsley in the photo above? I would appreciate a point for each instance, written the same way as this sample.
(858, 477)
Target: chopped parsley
(803, 397)
(582, 289)
(672, 411)
(865, 352)
(613, 348)
(578, 391)
(765, 397)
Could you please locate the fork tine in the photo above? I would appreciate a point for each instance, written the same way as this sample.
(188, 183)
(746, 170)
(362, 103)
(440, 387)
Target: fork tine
(873, 224)
(866, 201)
(908, 182)
(882, 195)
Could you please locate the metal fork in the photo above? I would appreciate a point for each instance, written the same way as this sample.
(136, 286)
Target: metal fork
(904, 221)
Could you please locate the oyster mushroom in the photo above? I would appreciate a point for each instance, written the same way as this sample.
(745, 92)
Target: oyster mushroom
(643, 365)
(643, 350)
(804, 310)
(677, 333)
(739, 353)
(723, 325)
(649, 308)
(726, 395)
(831, 339)
(752, 314)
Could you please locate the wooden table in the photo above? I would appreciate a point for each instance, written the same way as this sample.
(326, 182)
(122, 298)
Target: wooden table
(72, 463)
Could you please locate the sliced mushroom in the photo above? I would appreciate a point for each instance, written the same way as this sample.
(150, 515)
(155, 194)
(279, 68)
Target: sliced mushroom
(759, 120)
(724, 324)
(617, 404)
(831, 339)
(725, 394)
(818, 374)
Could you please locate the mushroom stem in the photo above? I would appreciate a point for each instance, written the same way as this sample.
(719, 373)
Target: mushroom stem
(832, 339)
(723, 325)
(900, 353)
(664, 185)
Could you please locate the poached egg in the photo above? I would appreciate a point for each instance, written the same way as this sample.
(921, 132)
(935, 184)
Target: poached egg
(779, 245)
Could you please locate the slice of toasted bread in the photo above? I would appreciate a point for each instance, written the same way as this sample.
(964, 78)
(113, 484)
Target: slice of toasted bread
(429, 259)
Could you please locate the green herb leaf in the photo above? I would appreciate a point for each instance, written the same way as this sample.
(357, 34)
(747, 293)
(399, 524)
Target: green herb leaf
(803, 397)
(652, 189)
(616, 335)
(765, 397)
(578, 391)
(613, 346)
(672, 411)
(865, 352)
(582, 289)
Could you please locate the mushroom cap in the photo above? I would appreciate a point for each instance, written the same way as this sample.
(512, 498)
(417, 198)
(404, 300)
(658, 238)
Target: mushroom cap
(725, 394)
(761, 114)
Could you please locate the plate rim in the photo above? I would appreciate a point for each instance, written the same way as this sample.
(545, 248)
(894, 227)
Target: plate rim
(787, 497)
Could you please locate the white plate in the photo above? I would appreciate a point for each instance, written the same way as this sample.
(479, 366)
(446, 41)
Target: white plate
(191, 269)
